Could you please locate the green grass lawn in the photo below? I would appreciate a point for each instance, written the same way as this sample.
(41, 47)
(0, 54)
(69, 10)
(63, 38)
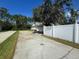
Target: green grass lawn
(7, 48)
(64, 42)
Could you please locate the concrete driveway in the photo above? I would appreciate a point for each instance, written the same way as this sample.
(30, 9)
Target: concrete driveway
(5, 35)
(35, 46)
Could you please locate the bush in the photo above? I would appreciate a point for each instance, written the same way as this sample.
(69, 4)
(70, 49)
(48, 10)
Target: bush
(28, 26)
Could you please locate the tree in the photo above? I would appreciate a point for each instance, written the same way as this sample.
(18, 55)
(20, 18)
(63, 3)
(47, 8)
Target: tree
(43, 12)
(21, 21)
(46, 11)
(36, 15)
(6, 26)
(1, 23)
(50, 12)
(10, 22)
(3, 11)
(74, 16)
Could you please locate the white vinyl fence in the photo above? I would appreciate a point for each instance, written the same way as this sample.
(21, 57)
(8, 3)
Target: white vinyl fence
(66, 32)
(78, 33)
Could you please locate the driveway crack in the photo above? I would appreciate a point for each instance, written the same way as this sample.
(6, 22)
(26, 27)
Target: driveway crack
(67, 54)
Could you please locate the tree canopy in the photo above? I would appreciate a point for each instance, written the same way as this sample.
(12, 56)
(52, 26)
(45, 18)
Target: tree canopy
(52, 12)
(8, 21)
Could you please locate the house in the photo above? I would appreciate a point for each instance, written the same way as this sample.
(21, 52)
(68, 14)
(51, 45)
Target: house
(37, 26)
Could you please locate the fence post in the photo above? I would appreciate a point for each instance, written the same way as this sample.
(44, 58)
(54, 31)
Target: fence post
(52, 29)
(43, 29)
(76, 33)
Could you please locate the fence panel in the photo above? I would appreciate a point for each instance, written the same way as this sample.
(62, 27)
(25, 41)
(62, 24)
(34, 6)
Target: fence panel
(63, 32)
(66, 32)
(78, 33)
(48, 30)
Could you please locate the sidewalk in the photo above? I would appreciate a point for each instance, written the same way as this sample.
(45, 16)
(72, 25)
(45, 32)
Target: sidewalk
(5, 35)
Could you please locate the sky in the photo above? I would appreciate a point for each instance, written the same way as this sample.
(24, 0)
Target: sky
(25, 7)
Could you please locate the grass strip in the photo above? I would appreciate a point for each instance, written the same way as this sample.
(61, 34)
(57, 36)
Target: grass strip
(75, 45)
(8, 46)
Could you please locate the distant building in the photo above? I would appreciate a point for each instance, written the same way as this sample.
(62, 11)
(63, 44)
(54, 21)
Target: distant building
(37, 26)
(30, 23)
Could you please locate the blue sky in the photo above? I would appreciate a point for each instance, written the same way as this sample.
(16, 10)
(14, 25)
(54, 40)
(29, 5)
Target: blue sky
(25, 7)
